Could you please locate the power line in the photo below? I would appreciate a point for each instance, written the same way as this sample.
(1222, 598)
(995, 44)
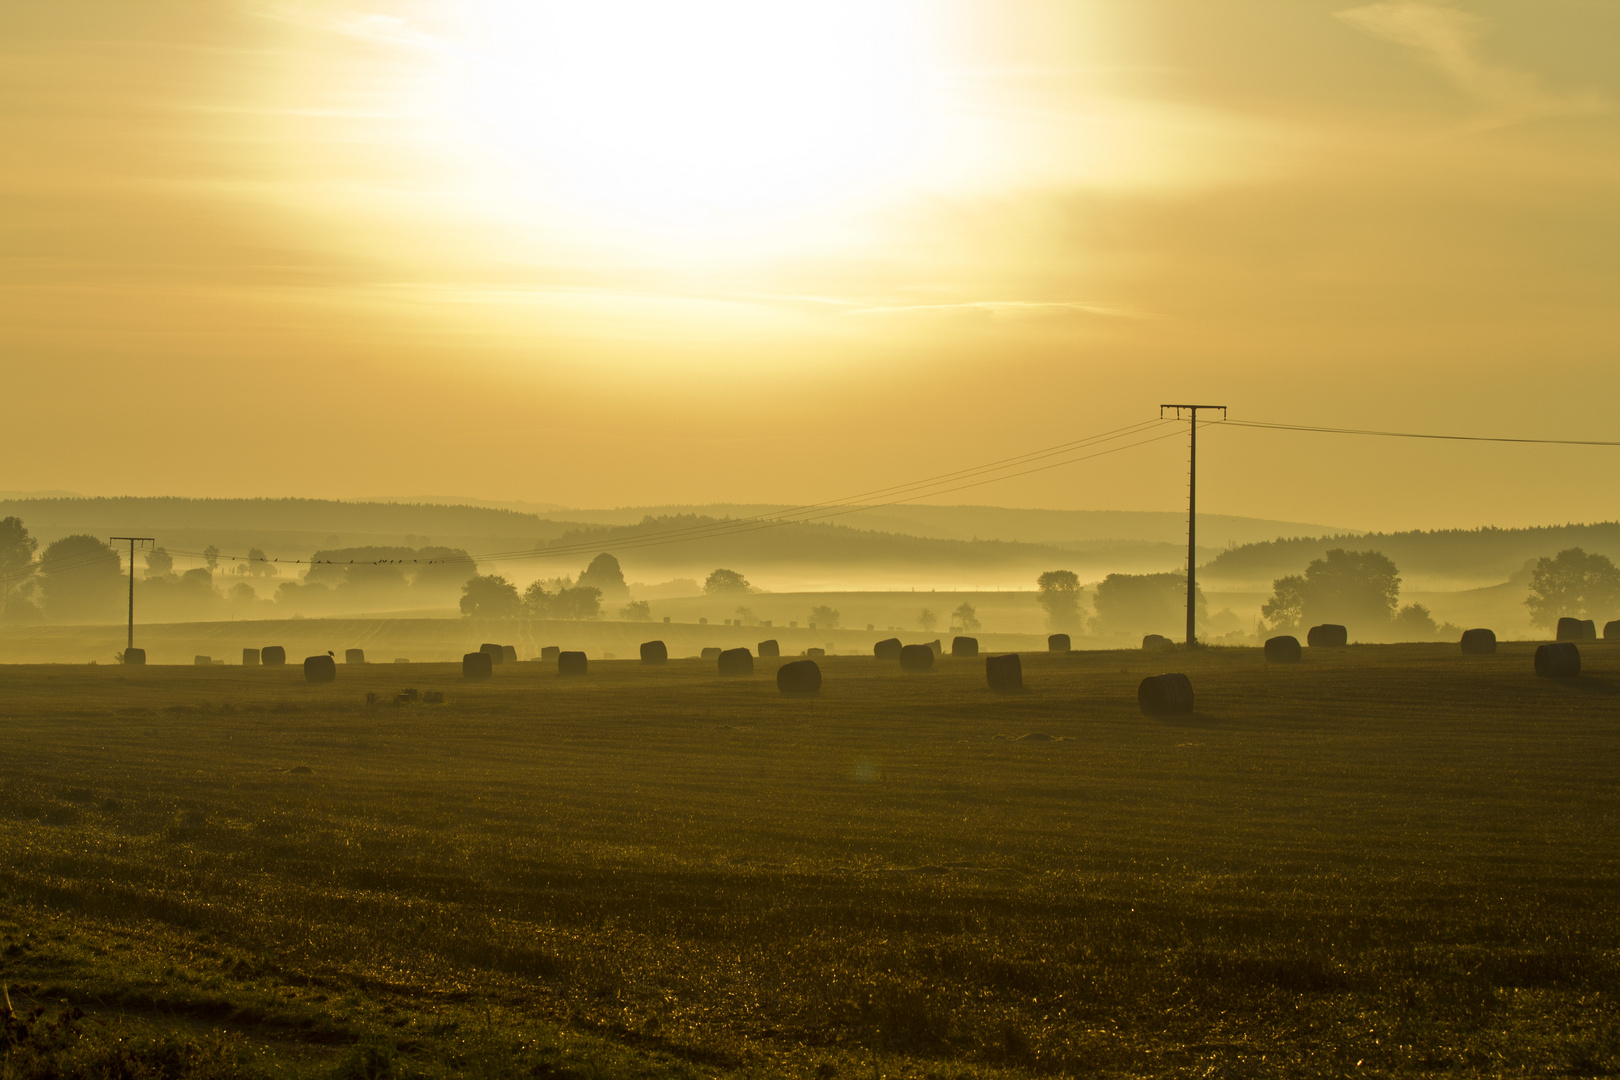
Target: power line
(1414, 434)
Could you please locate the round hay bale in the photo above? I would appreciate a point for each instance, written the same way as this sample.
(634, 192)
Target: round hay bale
(570, 663)
(1157, 643)
(354, 656)
(134, 657)
(272, 656)
(250, 657)
(769, 648)
(710, 653)
(1561, 660)
(654, 652)
(1570, 629)
(1480, 642)
(939, 650)
(509, 653)
(1283, 650)
(1005, 674)
(1611, 630)
(550, 652)
(814, 653)
(1166, 695)
(477, 665)
(736, 662)
(965, 646)
(800, 678)
(887, 649)
(1327, 636)
(1057, 643)
(496, 653)
(320, 669)
(202, 661)
(916, 658)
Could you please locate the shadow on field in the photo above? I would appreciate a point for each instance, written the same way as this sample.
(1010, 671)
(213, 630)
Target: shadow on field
(1195, 720)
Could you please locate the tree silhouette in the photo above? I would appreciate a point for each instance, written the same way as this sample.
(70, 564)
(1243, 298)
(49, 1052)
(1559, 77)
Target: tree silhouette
(82, 580)
(724, 581)
(966, 616)
(16, 565)
(1058, 592)
(1575, 584)
(490, 597)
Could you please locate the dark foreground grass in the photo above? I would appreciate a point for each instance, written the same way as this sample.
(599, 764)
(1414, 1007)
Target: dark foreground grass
(1384, 861)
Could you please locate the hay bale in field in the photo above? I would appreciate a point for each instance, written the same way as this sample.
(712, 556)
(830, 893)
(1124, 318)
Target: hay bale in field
(1611, 630)
(202, 661)
(1283, 650)
(1057, 643)
(965, 646)
(477, 665)
(354, 656)
(887, 649)
(710, 653)
(250, 657)
(814, 653)
(939, 650)
(1576, 630)
(1157, 643)
(509, 653)
(134, 657)
(1165, 695)
(1005, 674)
(654, 652)
(916, 658)
(550, 652)
(496, 653)
(770, 648)
(800, 678)
(272, 656)
(1327, 636)
(319, 669)
(1480, 642)
(571, 663)
(1558, 661)
(736, 662)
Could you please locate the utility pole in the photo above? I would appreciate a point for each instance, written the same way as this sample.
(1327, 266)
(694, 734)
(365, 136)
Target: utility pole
(1192, 510)
(133, 540)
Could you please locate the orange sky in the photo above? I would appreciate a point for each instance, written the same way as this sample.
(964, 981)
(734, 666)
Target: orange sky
(638, 252)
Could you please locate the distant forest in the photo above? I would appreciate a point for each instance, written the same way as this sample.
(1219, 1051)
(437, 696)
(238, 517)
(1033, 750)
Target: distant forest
(1485, 555)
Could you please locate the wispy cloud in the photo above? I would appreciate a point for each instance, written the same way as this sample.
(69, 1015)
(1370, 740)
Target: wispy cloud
(1004, 309)
(1448, 37)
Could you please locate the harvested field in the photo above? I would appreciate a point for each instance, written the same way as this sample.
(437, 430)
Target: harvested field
(1387, 860)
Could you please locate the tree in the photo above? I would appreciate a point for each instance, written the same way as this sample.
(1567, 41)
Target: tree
(1058, 592)
(636, 611)
(1285, 611)
(16, 565)
(927, 620)
(1146, 603)
(1414, 623)
(258, 564)
(823, 615)
(568, 602)
(82, 580)
(1575, 584)
(604, 574)
(1357, 588)
(967, 617)
(1352, 587)
(211, 557)
(159, 563)
(490, 597)
(724, 581)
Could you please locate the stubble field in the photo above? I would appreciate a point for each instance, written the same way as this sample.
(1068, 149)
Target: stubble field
(1387, 860)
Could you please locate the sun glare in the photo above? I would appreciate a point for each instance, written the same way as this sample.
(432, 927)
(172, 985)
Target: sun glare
(711, 115)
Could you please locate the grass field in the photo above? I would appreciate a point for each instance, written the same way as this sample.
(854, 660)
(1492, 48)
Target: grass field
(1390, 860)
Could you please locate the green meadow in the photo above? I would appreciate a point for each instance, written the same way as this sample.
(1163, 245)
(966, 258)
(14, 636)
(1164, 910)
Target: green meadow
(1383, 861)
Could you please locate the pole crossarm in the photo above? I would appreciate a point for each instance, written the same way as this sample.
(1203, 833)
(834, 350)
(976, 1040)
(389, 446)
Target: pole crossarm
(133, 540)
(1191, 413)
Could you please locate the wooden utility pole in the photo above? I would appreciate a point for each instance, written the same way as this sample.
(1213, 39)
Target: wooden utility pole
(1192, 510)
(133, 540)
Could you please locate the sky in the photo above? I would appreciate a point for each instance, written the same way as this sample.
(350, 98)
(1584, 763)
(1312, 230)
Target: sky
(627, 253)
